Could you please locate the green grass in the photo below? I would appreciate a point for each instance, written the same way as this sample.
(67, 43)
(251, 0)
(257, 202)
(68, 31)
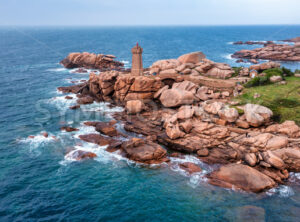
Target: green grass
(283, 100)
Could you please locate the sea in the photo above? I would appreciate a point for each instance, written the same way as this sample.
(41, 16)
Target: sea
(39, 182)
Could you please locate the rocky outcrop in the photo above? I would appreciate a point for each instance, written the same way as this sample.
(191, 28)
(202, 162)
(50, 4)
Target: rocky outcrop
(194, 64)
(174, 110)
(275, 52)
(144, 151)
(91, 61)
(265, 66)
(241, 177)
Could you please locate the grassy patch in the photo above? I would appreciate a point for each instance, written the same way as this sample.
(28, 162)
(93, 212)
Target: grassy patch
(283, 100)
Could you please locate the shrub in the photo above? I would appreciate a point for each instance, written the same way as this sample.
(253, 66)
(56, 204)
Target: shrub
(253, 82)
(287, 72)
(297, 71)
(273, 72)
(236, 71)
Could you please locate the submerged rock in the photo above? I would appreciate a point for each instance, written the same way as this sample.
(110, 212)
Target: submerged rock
(68, 129)
(81, 155)
(190, 167)
(246, 214)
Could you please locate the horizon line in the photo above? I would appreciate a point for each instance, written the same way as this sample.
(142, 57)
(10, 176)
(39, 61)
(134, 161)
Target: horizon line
(146, 25)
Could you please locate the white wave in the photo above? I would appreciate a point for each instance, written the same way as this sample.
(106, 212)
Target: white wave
(37, 140)
(282, 191)
(84, 130)
(282, 42)
(62, 103)
(196, 178)
(294, 177)
(126, 63)
(88, 71)
(230, 43)
(57, 70)
(102, 107)
(227, 56)
(75, 81)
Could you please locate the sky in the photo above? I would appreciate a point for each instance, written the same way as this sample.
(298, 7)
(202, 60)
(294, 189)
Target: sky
(148, 12)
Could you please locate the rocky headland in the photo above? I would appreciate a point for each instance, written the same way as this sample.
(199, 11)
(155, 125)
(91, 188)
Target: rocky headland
(184, 106)
(271, 51)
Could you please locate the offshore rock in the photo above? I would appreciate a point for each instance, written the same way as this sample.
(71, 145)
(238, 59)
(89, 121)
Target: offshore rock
(91, 61)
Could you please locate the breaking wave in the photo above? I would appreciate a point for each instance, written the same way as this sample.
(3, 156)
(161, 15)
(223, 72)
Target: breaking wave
(282, 191)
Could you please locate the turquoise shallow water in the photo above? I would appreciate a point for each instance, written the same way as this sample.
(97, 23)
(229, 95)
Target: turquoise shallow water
(37, 183)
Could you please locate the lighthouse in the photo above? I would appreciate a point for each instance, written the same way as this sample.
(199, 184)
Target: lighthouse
(137, 60)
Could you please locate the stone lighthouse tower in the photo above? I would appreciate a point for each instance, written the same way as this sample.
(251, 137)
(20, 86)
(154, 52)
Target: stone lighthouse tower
(137, 60)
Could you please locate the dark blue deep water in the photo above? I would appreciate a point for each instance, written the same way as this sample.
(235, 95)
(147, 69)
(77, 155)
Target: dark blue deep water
(37, 182)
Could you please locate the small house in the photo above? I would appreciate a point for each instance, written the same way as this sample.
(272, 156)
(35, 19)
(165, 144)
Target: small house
(253, 73)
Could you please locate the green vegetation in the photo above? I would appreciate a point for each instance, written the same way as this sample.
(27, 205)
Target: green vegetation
(236, 71)
(264, 78)
(297, 71)
(283, 100)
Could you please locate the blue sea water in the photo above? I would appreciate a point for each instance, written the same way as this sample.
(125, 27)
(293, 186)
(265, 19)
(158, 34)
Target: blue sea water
(37, 182)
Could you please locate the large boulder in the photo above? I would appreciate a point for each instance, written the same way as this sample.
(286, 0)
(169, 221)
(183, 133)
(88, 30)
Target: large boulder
(85, 100)
(229, 114)
(164, 65)
(176, 97)
(134, 106)
(186, 85)
(143, 151)
(185, 112)
(291, 158)
(194, 57)
(216, 72)
(106, 128)
(145, 84)
(173, 131)
(256, 115)
(242, 177)
(273, 160)
(214, 107)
